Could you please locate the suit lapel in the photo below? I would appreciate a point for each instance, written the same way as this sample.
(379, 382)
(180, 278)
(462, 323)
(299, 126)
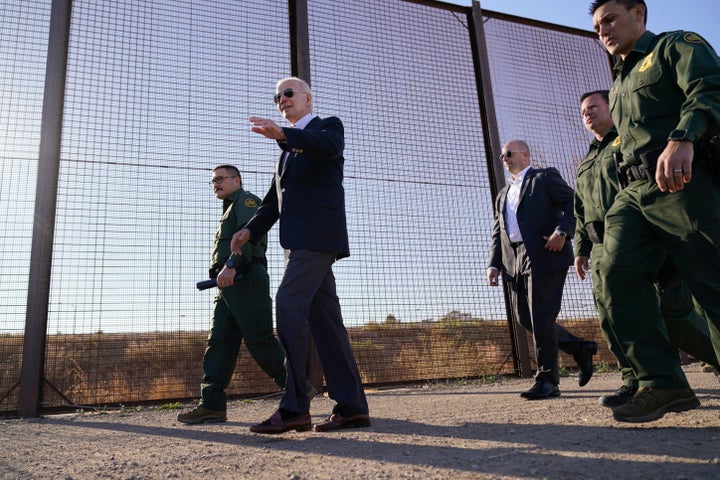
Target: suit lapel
(502, 198)
(526, 180)
(282, 165)
(313, 122)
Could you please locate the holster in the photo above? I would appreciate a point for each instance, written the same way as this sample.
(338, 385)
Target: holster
(644, 171)
(595, 231)
(621, 175)
(648, 162)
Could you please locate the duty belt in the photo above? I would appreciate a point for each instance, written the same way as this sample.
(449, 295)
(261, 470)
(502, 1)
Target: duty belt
(644, 171)
(707, 156)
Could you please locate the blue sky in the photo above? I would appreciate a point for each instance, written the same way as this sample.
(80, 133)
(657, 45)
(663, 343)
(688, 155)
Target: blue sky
(700, 16)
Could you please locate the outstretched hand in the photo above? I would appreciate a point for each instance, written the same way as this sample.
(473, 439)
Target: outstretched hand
(267, 128)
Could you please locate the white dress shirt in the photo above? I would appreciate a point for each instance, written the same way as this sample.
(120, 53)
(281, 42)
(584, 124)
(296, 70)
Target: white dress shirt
(512, 200)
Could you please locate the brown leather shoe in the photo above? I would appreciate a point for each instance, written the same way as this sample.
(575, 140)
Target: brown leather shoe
(275, 424)
(337, 422)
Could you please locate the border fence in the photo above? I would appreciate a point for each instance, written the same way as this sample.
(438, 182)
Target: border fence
(113, 114)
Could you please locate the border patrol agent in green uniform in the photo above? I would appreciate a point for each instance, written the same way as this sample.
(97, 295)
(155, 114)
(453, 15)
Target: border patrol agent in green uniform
(595, 191)
(242, 307)
(665, 103)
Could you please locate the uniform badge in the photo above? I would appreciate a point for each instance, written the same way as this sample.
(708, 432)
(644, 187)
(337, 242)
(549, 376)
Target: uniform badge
(250, 203)
(616, 142)
(647, 62)
(693, 38)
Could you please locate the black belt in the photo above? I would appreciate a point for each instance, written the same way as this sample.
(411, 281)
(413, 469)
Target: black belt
(515, 244)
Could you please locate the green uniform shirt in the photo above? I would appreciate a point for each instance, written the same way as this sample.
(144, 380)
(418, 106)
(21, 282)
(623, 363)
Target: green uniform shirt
(668, 82)
(238, 209)
(595, 188)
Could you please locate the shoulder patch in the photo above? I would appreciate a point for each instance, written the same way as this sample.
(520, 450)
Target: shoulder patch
(693, 38)
(250, 203)
(647, 63)
(616, 142)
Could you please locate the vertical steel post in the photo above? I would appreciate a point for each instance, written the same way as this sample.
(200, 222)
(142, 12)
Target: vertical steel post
(33, 359)
(300, 39)
(495, 170)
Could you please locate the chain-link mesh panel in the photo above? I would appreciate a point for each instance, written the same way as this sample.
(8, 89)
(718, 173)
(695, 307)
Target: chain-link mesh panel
(158, 93)
(538, 76)
(401, 77)
(24, 26)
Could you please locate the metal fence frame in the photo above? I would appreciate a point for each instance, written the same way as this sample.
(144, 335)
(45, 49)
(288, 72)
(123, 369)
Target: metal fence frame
(33, 357)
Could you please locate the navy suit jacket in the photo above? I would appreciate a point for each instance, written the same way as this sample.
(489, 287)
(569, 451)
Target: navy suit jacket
(546, 203)
(307, 196)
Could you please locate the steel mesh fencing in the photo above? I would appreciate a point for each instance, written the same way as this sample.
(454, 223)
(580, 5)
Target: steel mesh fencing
(158, 93)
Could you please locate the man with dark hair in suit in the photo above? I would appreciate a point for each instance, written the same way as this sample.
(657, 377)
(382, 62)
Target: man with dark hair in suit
(308, 199)
(534, 214)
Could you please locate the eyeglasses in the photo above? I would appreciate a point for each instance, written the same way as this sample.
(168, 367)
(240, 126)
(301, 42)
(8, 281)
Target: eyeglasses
(509, 153)
(218, 180)
(288, 92)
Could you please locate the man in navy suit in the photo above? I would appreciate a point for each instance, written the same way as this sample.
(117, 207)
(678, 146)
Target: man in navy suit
(308, 199)
(530, 245)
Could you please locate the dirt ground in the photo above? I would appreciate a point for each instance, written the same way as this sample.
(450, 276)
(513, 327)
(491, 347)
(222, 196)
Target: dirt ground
(455, 430)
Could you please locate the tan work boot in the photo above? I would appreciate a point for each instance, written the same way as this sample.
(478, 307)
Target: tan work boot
(202, 415)
(649, 404)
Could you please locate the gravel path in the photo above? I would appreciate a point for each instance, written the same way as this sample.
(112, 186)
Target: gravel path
(451, 430)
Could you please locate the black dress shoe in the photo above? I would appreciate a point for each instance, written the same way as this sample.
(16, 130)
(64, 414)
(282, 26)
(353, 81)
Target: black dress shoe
(584, 361)
(541, 390)
(275, 424)
(338, 422)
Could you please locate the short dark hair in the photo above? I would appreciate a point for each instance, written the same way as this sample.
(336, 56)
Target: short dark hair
(628, 4)
(232, 169)
(605, 94)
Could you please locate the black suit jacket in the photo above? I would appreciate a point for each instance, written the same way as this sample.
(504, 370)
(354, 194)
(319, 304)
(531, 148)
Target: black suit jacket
(307, 196)
(546, 203)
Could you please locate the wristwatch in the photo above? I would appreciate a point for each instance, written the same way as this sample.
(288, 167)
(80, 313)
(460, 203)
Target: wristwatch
(560, 233)
(679, 135)
(231, 263)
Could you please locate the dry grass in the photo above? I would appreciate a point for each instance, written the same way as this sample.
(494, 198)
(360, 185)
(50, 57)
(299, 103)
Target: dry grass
(121, 368)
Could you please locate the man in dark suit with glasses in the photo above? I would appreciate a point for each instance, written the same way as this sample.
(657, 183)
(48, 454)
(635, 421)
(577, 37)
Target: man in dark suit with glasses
(530, 245)
(308, 199)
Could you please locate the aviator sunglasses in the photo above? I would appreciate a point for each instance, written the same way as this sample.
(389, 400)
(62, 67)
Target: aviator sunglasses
(509, 153)
(288, 92)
